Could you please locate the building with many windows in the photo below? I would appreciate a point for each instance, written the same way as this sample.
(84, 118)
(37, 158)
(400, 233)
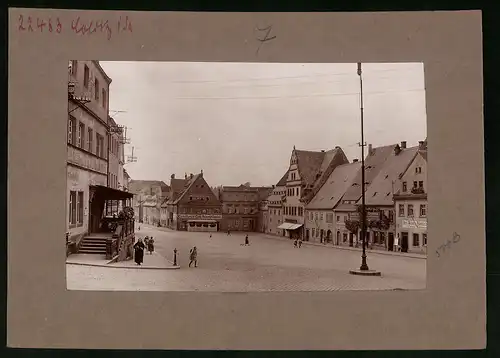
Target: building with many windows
(275, 208)
(240, 207)
(87, 141)
(410, 204)
(307, 173)
(320, 222)
(194, 207)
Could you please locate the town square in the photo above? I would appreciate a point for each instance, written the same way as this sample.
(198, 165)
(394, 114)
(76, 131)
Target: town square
(213, 208)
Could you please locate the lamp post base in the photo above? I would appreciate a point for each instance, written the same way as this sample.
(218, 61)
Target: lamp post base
(361, 272)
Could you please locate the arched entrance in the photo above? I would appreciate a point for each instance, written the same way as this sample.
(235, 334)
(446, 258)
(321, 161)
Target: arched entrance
(329, 236)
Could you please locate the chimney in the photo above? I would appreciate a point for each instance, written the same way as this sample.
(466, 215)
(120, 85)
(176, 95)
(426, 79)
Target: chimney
(421, 144)
(191, 176)
(185, 176)
(172, 176)
(355, 160)
(370, 149)
(322, 150)
(403, 144)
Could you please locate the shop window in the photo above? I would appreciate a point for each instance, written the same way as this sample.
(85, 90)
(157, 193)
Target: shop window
(416, 240)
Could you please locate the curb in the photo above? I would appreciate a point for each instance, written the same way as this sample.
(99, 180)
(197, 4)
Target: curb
(110, 264)
(380, 252)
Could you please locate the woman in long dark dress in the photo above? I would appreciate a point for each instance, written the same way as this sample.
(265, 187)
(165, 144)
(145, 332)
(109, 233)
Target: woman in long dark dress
(139, 251)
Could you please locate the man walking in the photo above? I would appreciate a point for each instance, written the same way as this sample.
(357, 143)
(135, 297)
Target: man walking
(193, 257)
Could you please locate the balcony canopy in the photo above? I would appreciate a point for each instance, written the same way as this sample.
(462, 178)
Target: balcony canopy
(103, 192)
(289, 226)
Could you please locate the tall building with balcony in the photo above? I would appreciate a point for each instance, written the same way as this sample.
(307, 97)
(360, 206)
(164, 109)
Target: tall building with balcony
(87, 141)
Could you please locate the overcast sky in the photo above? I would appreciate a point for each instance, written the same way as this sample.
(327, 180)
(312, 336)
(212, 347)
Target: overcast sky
(239, 121)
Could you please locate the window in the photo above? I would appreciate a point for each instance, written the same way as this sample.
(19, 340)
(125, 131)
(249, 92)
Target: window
(410, 210)
(421, 184)
(316, 216)
(90, 138)
(74, 65)
(423, 210)
(96, 86)
(104, 99)
(80, 139)
(245, 210)
(329, 218)
(71, 130)
(86, 76)
(80, 208)
(418, 170)
(72, 207)
(312, 232)
(405, 188)
(338, 217)
(416, 239)
(424, 239)
(414, 184)
(401, 210)
(321, 216)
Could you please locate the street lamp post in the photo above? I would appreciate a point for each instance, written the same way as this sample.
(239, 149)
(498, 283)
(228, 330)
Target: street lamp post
(364, 265)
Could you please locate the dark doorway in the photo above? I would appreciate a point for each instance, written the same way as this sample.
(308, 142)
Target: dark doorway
(351, 239)
(390, 242)
(404, 242)
(338, 237)
(307, 234)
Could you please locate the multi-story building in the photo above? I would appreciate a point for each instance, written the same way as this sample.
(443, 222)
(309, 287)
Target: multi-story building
(87, 142)
(275, 208)
(346, 212)
(379, 196)
(410, 204)
(320, 224)
(307, 172)
(240, 207)
(148, 196)
(195, 207)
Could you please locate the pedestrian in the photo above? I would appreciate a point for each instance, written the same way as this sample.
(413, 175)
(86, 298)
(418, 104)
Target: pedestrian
(151, 245)
(139, 252)
(295, 244)
(146, 240)
(210, 236)
(300, 243)
(247, 243)
(193, 257)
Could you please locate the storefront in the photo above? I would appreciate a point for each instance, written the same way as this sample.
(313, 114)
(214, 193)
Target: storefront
(294, 231)
(198, 222)
(202, 225)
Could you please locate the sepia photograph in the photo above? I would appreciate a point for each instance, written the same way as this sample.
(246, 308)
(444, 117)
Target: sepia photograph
(246, 177)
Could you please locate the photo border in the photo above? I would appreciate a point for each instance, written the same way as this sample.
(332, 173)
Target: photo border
(449, 44)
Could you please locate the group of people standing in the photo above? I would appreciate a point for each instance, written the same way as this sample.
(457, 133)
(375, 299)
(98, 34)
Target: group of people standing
(140, 246)
(297, 243)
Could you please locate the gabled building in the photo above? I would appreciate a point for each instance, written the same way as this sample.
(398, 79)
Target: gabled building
(275, 210)
(307, 172)
(410, 204)
(379, 197)
(194, 207)
(346, 212)
(320, 224)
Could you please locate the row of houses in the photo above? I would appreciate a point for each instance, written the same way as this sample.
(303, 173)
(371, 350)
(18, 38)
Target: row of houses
(319, 198)
(191, 204)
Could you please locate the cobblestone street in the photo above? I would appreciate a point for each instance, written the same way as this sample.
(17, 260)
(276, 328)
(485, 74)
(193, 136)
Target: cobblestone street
(225, 265)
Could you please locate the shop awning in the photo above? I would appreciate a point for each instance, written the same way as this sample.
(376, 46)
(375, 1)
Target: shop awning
(109, 193)
(201, 221)
(289, 226)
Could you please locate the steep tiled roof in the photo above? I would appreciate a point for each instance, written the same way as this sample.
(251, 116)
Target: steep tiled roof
(423, 153)
(373, 164)
(382, 187)
(309, 164)
(282, 181)
(336, 185)
(187, 186)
